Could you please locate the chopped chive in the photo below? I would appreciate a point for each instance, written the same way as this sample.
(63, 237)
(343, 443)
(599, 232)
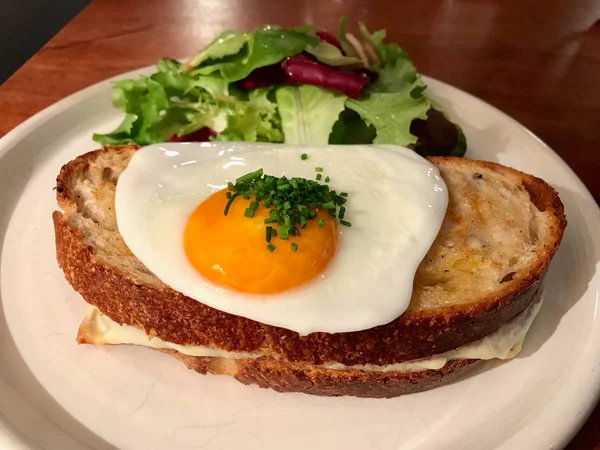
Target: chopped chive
(294, 246)
(269, 232)
(250, 176)
(304, 157)
(302, 222)
(291, 202)
(284, 232)
(345, 223)
(229, 202)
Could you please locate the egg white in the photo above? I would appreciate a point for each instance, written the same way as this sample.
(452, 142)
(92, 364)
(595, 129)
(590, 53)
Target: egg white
(396, 203)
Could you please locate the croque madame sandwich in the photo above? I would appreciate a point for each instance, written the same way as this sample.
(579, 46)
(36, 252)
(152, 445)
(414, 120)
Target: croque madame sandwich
(330, 270)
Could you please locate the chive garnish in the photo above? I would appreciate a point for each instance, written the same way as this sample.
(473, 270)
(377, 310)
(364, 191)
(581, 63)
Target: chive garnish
(291, 202)
(304, 156)
(284, 232)
(229, 202)
(327, 179)
(294, 246)
(250, 176)
(345, 223)
(302, 222)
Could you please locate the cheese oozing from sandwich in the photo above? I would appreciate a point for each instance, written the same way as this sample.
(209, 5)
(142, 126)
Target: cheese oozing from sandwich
(504, 343)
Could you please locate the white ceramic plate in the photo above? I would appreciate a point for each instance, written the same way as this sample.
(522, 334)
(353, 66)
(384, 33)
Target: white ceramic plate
(55, 394)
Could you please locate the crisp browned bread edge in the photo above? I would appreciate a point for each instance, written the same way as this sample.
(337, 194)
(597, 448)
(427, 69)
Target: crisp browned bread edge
(293, 377)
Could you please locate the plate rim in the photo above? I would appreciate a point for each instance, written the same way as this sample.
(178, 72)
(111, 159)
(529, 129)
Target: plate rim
(11, 139)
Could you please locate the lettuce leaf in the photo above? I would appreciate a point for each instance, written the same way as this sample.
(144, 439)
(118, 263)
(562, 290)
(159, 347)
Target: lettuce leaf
(394, 76)
(391, 114)
(265, 46)
(142, 101)
(438, 136)
(175, 102)
(308, 113)
(351, 129)
(227, 43)
(331, 55)
(435, 134)
(254, 120)
(121, 135)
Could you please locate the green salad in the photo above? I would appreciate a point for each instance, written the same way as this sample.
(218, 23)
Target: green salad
(297, 85)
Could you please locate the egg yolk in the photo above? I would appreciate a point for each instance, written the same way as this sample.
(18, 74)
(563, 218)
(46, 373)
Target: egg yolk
(231, 250)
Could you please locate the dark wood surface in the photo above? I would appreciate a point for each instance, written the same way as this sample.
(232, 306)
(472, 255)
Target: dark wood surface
(538, 61)
(44, 18)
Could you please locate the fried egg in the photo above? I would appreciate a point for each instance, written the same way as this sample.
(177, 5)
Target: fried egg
(170, 204)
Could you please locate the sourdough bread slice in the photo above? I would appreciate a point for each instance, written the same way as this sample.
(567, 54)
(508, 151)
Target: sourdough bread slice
(499, 234)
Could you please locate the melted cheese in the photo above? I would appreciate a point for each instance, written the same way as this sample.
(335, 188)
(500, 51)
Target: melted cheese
(504, 343)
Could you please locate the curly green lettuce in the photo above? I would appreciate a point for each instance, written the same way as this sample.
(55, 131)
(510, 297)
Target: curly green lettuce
(205, 93)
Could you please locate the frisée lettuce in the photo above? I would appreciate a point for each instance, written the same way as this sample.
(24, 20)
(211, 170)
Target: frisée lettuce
(298, 86)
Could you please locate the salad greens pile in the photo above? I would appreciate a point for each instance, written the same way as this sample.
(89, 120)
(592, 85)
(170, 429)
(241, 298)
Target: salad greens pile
(298, 86)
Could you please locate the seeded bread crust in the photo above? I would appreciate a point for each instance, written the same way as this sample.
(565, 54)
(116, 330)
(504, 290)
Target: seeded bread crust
(98, 265)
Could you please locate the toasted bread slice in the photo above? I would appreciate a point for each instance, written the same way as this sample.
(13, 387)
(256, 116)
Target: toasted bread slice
(499, 234)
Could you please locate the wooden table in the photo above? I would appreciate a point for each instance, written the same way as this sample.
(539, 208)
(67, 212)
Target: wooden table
(537, 61)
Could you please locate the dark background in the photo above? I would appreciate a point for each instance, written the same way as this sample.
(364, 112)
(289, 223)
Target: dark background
(26, 25)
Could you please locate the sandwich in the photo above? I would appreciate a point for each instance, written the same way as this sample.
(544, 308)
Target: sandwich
(366, 271)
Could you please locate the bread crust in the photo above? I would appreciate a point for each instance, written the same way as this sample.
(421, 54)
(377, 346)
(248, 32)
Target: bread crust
(173, 317)
(297, 377)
